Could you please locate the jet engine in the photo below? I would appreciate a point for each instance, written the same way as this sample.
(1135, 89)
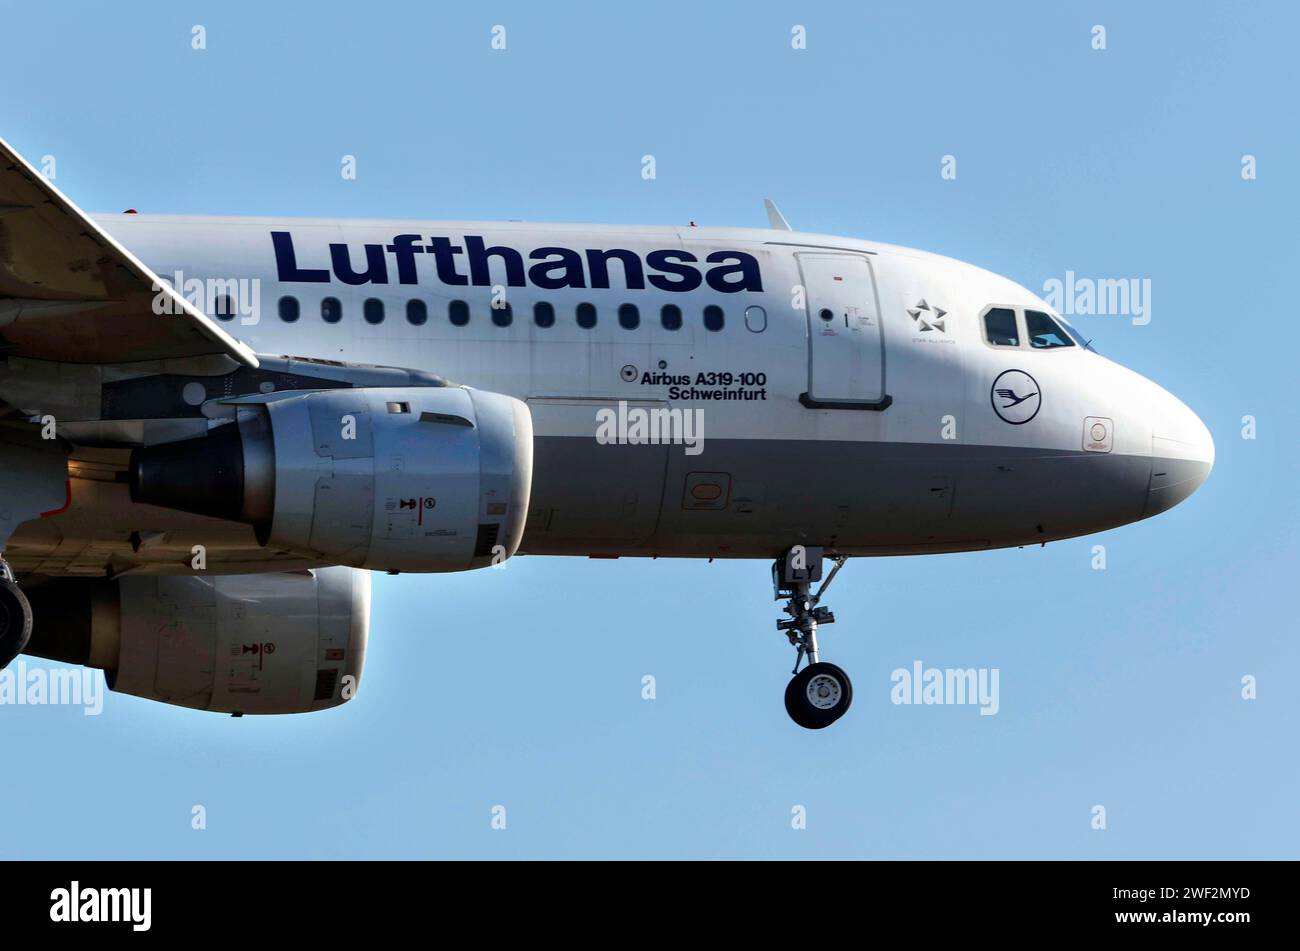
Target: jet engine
(389, 478)
(262, 643)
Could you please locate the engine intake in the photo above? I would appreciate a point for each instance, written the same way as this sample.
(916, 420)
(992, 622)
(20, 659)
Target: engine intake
(394, 479)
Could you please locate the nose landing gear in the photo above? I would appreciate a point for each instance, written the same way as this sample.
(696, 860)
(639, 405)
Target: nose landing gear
(820, 693)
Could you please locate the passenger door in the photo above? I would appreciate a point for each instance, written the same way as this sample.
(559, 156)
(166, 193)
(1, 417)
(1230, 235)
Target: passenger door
(846, 354)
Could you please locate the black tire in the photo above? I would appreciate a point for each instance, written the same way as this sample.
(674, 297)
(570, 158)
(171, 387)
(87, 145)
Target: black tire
(15, 622)
(818, 695)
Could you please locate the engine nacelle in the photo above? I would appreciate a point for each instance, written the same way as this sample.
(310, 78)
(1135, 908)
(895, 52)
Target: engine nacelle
(263, 643)
(395, 479)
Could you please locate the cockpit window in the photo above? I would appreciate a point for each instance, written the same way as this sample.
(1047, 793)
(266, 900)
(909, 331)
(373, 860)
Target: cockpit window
(1077, 337)
(1044, 333)
(1000, 327)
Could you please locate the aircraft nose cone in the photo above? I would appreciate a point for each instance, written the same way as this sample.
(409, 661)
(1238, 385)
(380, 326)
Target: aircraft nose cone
(1182, 453)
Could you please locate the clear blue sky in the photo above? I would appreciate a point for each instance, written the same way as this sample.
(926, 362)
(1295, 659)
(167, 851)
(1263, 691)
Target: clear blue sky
(1118, 687)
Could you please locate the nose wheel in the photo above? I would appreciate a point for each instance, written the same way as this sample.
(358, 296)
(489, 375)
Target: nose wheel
(820, 693)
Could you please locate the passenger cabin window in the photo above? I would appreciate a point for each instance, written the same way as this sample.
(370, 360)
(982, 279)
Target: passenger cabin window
(1043, 332)
(629, 318)
(504, 315)
(1000, 327)
(671, 317)
(288, 309)
(373, 310)
(544, 314)
(586, 316)
(331, 311)
(713, 318)
(458, 313)
(224, 307)
(417, 312)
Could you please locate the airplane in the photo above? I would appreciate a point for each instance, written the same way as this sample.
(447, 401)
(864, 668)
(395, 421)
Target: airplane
(214, 428)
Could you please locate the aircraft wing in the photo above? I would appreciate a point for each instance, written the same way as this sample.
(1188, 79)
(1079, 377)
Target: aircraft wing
(70, 293)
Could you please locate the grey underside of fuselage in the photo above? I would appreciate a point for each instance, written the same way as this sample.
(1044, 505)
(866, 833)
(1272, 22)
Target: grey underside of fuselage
(856, 498)
(739, 498)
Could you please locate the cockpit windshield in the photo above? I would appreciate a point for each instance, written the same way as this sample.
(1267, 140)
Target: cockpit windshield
(1044, 333)
(1077, 337)
(1022, 328)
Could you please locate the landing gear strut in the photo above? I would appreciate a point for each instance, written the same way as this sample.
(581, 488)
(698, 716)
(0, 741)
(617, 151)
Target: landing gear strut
(15, 617)
(821, 692)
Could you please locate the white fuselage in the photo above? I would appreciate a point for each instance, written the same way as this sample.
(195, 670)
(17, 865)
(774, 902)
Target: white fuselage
(848, 390)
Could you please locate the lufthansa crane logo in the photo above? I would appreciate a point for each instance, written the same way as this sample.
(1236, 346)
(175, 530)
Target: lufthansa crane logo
(1015, 397)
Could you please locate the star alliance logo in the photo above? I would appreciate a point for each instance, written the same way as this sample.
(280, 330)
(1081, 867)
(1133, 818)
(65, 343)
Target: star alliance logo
(927, 318)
